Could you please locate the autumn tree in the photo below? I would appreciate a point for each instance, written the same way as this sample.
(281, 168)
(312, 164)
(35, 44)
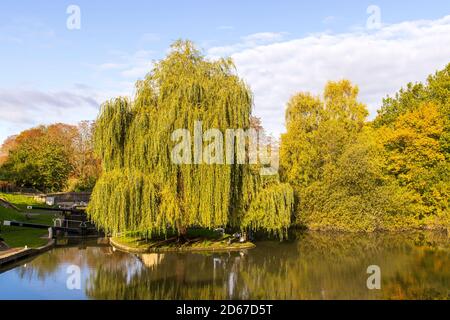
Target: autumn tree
(336, 164)
(418, 161)
(415, 128)
(57, 157)
(41, 158)
(86, 166)
(435, 90)
(9, 144)
(318, 130)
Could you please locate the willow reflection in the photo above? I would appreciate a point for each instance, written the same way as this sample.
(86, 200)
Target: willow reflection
(310, 266)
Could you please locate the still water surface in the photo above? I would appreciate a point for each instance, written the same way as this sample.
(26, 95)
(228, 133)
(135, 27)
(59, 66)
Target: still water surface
(309, 266)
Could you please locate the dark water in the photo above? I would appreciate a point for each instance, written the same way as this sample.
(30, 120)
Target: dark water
(311, 266)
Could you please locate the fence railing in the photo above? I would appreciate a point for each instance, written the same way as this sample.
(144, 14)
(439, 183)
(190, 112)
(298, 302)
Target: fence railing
(8, 187)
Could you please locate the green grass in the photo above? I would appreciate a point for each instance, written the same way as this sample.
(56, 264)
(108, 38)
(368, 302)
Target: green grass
(198, 240)
(191, 233)
(17, 236)
(20, 201)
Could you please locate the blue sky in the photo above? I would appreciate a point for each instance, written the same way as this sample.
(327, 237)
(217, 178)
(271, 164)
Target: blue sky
(49, 73)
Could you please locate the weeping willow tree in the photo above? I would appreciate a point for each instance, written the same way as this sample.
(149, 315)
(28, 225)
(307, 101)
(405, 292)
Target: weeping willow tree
(142, 190)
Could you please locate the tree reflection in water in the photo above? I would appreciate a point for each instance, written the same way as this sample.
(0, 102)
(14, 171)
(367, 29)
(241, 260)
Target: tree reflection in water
(310, 266)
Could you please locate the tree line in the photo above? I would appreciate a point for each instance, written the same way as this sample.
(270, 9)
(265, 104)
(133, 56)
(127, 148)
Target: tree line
(351, 174)
(58, 157)
(338, 171)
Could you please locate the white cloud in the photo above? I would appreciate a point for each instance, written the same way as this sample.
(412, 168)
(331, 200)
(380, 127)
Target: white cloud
(22, 108)
(24, 31)
(380, 62)
(139, 64)
(263, 37)
(246, 42)
(128, 65)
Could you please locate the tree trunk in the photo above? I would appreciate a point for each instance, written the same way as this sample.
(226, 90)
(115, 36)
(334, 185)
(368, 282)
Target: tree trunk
(182, 234)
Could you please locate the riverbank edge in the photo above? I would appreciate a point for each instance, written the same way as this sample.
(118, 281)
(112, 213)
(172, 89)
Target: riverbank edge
(25, 253)
(115, 243)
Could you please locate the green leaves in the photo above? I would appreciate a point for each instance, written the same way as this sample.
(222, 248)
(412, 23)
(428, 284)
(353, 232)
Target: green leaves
(141, 189)
(41, 158)
(355, 176)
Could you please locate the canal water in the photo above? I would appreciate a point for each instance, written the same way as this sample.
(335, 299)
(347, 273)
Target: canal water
(308, 266)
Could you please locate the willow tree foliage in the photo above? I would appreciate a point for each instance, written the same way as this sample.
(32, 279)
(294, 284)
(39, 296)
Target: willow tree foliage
(142, 189)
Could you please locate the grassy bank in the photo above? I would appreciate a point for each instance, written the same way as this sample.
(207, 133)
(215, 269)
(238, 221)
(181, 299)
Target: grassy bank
(196, 240)
(17, 236)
